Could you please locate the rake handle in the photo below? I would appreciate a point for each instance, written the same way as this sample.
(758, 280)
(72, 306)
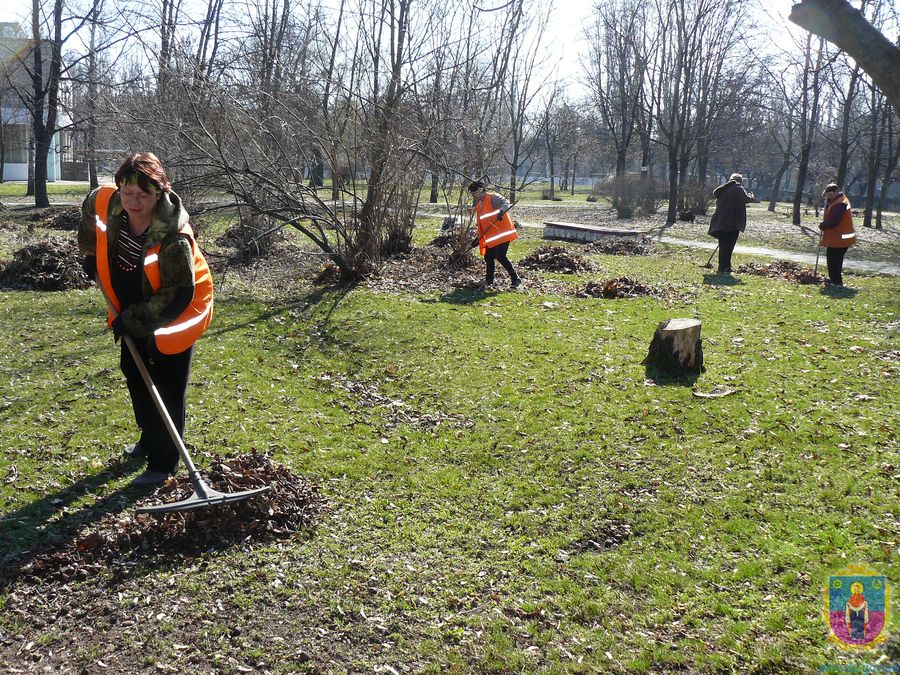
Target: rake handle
(709, 262)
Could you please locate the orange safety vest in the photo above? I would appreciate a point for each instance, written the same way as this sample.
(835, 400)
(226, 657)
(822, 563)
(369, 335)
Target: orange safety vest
(841, 235)
(492, 232)
(175, 337)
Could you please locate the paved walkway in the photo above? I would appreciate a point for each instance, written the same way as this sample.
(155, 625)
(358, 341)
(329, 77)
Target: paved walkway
(808, 258)
(872, 266)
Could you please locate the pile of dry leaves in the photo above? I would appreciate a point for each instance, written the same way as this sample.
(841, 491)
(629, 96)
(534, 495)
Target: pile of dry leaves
(556, 259)
(51, 265)
(783, 269)
(620, 246)
(623, 287)
(121, 541)
(65, 219)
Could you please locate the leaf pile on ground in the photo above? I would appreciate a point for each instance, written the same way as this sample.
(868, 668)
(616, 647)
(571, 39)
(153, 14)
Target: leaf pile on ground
(620, 246)
(424, 270)
(120, 541)
(65, 219)
(623, 287)
(51, 265)
(397, 411)
(783, 269)
(556, 259)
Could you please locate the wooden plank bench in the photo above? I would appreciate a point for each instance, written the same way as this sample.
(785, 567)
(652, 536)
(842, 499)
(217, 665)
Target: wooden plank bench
(579, 232)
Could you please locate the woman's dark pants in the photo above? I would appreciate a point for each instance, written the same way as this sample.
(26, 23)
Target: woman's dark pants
(727, 240)
(498, 253)
(835, 260)
(170, 374)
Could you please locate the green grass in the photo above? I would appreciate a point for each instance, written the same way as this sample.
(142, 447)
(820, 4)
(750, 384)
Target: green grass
(467, 547)
(73, 190)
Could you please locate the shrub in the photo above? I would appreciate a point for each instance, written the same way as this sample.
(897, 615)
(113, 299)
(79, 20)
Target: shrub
(696, 197)
(630, 194)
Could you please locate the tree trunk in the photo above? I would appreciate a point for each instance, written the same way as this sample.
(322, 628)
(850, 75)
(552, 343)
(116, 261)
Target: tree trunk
(676, 347)
(875, 144)
(435, 182)
(672, 212)
(890, 165)
(776, 184)
(844, 143)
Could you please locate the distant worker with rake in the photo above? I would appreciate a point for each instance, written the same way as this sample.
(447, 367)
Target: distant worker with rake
(495, 231)
(729, 219)
(139, 247)
(837, 232)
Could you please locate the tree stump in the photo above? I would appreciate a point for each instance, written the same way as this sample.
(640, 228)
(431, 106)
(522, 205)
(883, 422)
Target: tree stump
(676, 347)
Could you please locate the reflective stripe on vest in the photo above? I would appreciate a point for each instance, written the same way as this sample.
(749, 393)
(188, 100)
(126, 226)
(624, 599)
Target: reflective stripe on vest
(492, 232)
(181, 333)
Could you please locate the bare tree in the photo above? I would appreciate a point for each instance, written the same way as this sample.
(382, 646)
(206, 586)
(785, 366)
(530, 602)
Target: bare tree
(616, 71)
(843, 25)
(809, 116)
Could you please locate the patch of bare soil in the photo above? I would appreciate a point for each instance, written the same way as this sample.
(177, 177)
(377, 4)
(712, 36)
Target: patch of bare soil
(119, 542)
(623, 287)
(784, 269)
(397, 411)
(556, 259)
(51, 265)
(620, 246)
(609, 535)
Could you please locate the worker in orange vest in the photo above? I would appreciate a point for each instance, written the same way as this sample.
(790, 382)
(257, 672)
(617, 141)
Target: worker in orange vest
(495, 231)
(138, 244)
(837, 232)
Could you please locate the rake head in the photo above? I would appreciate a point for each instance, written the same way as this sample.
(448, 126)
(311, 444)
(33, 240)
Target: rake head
(203, 496)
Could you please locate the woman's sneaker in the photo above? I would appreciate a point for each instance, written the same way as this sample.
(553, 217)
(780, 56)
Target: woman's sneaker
(135, 451)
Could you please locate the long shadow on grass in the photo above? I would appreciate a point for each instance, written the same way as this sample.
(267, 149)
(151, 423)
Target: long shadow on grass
(49, 522)
(721, 280)
(463, 296)
(839, 292)
(305, 304)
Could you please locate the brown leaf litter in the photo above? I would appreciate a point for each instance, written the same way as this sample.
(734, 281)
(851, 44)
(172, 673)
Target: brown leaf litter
(784, 269)
(121, 541)
(51, 265)
(557, 259)
(623, 287)
(396, 410)
(425, 270)
(620, 246)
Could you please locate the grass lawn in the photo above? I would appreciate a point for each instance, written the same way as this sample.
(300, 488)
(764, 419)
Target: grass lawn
(565, 513)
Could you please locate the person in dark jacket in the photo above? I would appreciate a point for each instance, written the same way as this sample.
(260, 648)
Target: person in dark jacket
(138, 244)
(729, 218)
(837, 232)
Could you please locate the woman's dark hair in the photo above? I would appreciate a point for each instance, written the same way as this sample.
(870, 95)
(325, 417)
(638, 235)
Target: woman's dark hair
(146, 171)
(476, 185)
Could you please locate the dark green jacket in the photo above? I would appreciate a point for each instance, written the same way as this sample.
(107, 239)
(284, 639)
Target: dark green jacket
(176, 262)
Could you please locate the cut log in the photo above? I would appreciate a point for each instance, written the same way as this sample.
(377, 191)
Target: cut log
(676, 347)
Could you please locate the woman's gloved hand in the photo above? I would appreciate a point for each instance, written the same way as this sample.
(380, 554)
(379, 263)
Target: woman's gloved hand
(118, 328)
